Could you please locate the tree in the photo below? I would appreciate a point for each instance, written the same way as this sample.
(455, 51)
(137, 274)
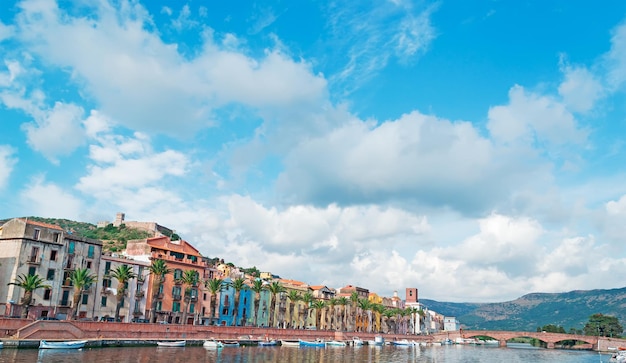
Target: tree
(364, 305)
(82, 279)
(214, 286)
(159, 270)
(238, 284)
(307, 299)
(343, 301)
(603, 325)
(29, 283)
(275, 288)
(123, 274)
(293, 296)
(332, 303)
(354, 300)
(319, 306)
(189, 280)
(257, 287)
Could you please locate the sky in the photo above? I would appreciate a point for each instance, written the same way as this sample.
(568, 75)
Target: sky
(472, 150)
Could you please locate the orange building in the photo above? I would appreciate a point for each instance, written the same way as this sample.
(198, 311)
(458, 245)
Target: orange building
(172, 302)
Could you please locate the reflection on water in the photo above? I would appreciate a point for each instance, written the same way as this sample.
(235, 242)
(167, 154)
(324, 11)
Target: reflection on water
(442, 354)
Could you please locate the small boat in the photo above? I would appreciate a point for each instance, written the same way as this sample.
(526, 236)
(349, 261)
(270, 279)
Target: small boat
(268, 343)
(230, 343)
(336, 343)
(403, 343)
(1, 345)
(312, 343)
(618, 357)
(378, 341)
(357, 342)
(73, 344)
(212, 344)
(175, 344)
(290, 343)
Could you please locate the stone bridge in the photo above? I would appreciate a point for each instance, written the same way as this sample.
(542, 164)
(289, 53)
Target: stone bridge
(593, 342)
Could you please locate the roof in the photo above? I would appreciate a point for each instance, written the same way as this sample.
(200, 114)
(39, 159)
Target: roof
(41, 224)
(165, 243)
(292, 282)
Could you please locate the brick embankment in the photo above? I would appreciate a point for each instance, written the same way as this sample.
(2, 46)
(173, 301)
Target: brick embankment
(29, 330)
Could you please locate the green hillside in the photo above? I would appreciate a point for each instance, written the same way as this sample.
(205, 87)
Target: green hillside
(569, 310)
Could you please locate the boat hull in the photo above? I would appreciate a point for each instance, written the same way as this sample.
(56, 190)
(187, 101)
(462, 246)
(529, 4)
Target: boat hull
(307, 343)
(76, 344)
(176, 344)
(290, 343)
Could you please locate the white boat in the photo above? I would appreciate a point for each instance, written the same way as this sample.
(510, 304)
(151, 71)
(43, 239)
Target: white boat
(403, 343)
(618, 357)
(357, 342)
(378, 341)
(268, 343)
(175, 344)
(73, 344)
(213, 344)
(491, 342)
(336, 343)
(230, 343)
(290, 343)
(1, 345)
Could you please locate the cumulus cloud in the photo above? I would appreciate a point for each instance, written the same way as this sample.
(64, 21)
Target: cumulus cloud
(46, 199)
(580, 89)
(134, 76)
(6, 31)
(530, 118)
(615, 59)
(56, 132)
(7, 162)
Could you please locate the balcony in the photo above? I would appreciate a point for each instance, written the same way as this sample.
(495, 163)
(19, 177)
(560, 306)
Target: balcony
(64, 303)
(194, 298)
(176, 297)
(141, 279)
(139, 293)
(67, 283)
(105, 290)
(33, 260)
(159, 296)
(137, 312)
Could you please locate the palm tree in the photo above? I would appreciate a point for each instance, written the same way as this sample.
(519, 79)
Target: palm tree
(378, 313)
(158, 269)
(257, 287)
(307, 299)
(293, 296)
(343, 301)
(123, 274)
(29, 283)
(189, 279)
(318, 305)
(364, 306)
(238, 284)
(82, 279)
(332, 303)
(214, 286)
(275, 288)
(354, 300)
(389, 314)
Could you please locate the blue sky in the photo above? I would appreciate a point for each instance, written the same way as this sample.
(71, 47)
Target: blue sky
(475, 152)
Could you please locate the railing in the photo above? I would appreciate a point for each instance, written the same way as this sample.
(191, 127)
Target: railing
(176, 297)
(141, 279)
(137, 312)
(194, 298)
(104, 290)
(64, 303)
(67, 283)
(159, 295)
(33, 260)
(139, 293)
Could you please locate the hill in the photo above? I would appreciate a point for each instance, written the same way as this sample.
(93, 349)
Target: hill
(571, 310)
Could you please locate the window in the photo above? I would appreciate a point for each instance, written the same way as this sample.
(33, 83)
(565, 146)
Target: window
(160, 289)
(32, 270)
(71, 247)
(204, 296)
(178, 273)
(36, 234)
(194, 293)
(107, 267)
(53, 255)
(191, 307)
(103, 301)
(106, 283)
(90, 252)
(46, 294)
(85, 299)
(34, 252)
(176, 290)
(88, 264)
(159, 306)
(56, 237)
(176, 306)
(50, 275)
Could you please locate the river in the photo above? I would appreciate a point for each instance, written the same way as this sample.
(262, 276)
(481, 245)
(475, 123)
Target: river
(435, 354)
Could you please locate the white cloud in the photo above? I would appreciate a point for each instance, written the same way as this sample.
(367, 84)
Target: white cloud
(56, 132)
(580, 89)
(7, 162)
(6, 31)
(45, 199)
(147, 84)
(616, 58)
(530, 118)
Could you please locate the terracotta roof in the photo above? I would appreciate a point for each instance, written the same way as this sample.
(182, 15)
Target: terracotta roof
(41, 224)
(292, 282)
(165, 243)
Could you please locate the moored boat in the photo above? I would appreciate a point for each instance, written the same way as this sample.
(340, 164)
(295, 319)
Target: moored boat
(403, 343)
(72, 344)
(212, 344)
(378, 341)
(312, 343)
(618, 357)
(356, 341)
(336, 343)
(172, 344)
(267, 343)
(231, 343)
(290, 343)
